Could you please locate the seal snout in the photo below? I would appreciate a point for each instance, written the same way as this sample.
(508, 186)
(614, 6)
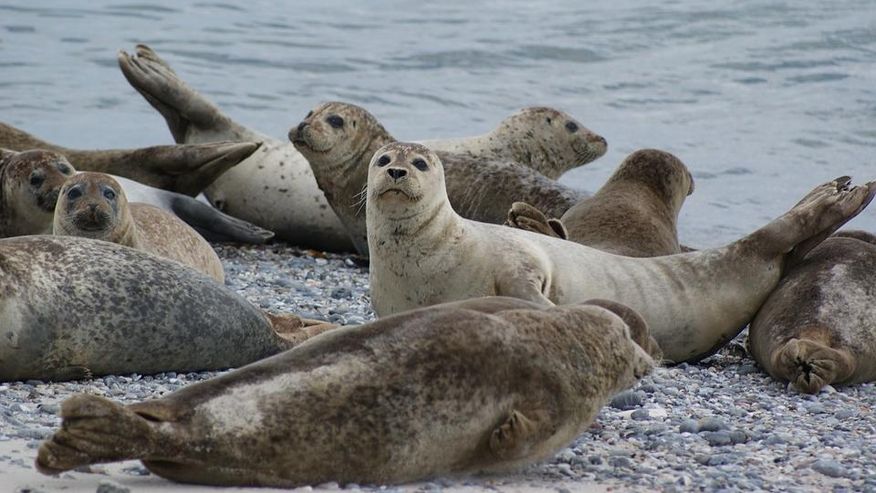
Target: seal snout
(396, 173)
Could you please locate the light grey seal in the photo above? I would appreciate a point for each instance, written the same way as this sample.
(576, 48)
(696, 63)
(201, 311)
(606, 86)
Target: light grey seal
(423, 253)
(477, 386)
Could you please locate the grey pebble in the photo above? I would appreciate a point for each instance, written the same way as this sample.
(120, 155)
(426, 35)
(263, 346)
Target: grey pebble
(829, 467)
(641, 415)
(627, 400)
(107, 486)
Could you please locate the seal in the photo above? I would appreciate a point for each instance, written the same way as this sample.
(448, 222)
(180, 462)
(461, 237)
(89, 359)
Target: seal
(544, 139)
(186, 169)
(478, 386)
(29, 186)
(94, 205)
(818, 327)
(339, 139)
(275, 187)
(634, 214)
(423, 253)
(75, 308)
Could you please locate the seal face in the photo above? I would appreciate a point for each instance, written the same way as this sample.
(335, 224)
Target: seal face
(29, 186)
(819, 325)
(94, 205)
(423, 253)
(634, 214)
(483, 385)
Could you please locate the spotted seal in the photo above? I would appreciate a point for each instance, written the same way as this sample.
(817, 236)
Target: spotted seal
(424, 253)
(482, 385)
(29, 186)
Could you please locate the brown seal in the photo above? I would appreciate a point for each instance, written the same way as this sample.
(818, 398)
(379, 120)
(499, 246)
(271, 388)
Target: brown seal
(634, 214)
(423, 253)
(29, 186)
(93, 205)
(187, 169)
(482, 385)
(818, 327)
(339, 140)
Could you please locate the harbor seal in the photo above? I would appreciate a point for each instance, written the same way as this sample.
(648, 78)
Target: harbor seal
(75, 308)
(478, 386)
(424, 253)
(186, 169)
(818, 327)
(29, 186)
(339, 139)
(94, 205)
(634, 214)
(544, 139)
(275, 187)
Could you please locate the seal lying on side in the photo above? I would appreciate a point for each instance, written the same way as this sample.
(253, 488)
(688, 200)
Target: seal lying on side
(187, 169)
(275, 188)
(339, 139)
(482, 385)
(29, 186)
(74, 307)
(93, 205)
(634, 214)
(423, 253)
(819, 325)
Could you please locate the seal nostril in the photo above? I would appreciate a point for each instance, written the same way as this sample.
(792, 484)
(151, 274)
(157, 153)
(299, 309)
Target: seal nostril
(301, 126)
(396, 173)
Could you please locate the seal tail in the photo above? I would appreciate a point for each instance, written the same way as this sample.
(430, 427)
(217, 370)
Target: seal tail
(810, 365)
(216, 226)
(95, 430)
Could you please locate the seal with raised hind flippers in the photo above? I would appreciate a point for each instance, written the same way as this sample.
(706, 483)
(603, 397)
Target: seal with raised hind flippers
(483, 385)
(94, 205)
(818, 327)
(423, 253)
(339, 139)
(186, 169)
(29, 185)
(634, 214)
(74, 308)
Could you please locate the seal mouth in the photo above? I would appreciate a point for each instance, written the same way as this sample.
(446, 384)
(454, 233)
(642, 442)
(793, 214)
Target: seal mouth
(299, 141)
(91, 222)
(395, 192)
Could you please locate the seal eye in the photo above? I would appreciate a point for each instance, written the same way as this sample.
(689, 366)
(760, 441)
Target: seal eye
(572, 127)
(335, 121)
(548, 120)
(309, 114)
(109, 194)
(64, 169)
(36, 180)
(74, 193)
(384, 160)
(420, 164)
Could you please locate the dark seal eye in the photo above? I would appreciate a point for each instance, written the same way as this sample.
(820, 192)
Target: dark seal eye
(420, 164)
(109, 194)
(572, 127)
(36, 180)
(548, 120)
(309, 114)
(335, 121)
(64, 169)
(74, 193)
(384, 160)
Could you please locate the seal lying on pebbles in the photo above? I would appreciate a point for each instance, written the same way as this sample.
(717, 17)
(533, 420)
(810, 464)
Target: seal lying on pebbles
(93, 205)
(186, 169)
(634, 214)
(275, 188)
(75, 308)
(339, 139)
(544, 139)
(481, 385)
(423, 253)
(818, 327)
(29, 186)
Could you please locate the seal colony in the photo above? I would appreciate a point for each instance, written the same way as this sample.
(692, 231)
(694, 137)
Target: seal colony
(480, 385)
(424, 253)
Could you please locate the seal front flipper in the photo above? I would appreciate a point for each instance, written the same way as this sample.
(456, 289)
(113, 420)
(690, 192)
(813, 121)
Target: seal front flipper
(519, 435)
(528, 218)
(217, 226)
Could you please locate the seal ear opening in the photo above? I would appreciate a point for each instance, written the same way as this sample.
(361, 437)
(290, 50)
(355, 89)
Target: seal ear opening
(811, 365)
(639, 330)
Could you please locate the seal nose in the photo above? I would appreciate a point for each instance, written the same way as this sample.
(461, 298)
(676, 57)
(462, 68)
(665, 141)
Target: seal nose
(396, 173)
(600, 139)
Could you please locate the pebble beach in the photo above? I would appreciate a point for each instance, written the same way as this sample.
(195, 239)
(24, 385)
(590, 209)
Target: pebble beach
(719, 425)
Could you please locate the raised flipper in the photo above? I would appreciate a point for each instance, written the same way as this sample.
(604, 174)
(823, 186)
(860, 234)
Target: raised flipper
(216, 226)
(519, 435)
(184, 109)
(528, 218)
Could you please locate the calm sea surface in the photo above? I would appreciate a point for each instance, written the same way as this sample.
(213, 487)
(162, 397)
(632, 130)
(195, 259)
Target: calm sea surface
(762, 100)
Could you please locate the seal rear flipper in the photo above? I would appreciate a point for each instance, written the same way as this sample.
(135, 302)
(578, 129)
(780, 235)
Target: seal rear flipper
(295, 329)
(811, 365)
(216, 226)
(519, 436)
(95, 430)
(528, 218)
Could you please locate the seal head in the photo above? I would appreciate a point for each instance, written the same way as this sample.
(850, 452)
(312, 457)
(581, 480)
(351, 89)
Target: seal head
(29, 185)
(93, 205)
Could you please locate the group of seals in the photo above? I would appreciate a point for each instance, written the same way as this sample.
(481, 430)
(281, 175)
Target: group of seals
(94, 205)
(339, 139)
(818, 327)
(276, 188)
(480, 385)
(424, 253)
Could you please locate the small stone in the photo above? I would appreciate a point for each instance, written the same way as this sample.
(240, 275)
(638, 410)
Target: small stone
(816, 409)
(711, 424)
(689, 426)
(717, 438)
(566, 470)
(107, 486)
(640, 415)
(845, 414)
(620, 462)
(627, 400)
(829, 467)
(648, 388)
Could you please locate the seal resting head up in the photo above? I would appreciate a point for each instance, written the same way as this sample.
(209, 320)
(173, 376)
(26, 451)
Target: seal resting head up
(29, 185)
